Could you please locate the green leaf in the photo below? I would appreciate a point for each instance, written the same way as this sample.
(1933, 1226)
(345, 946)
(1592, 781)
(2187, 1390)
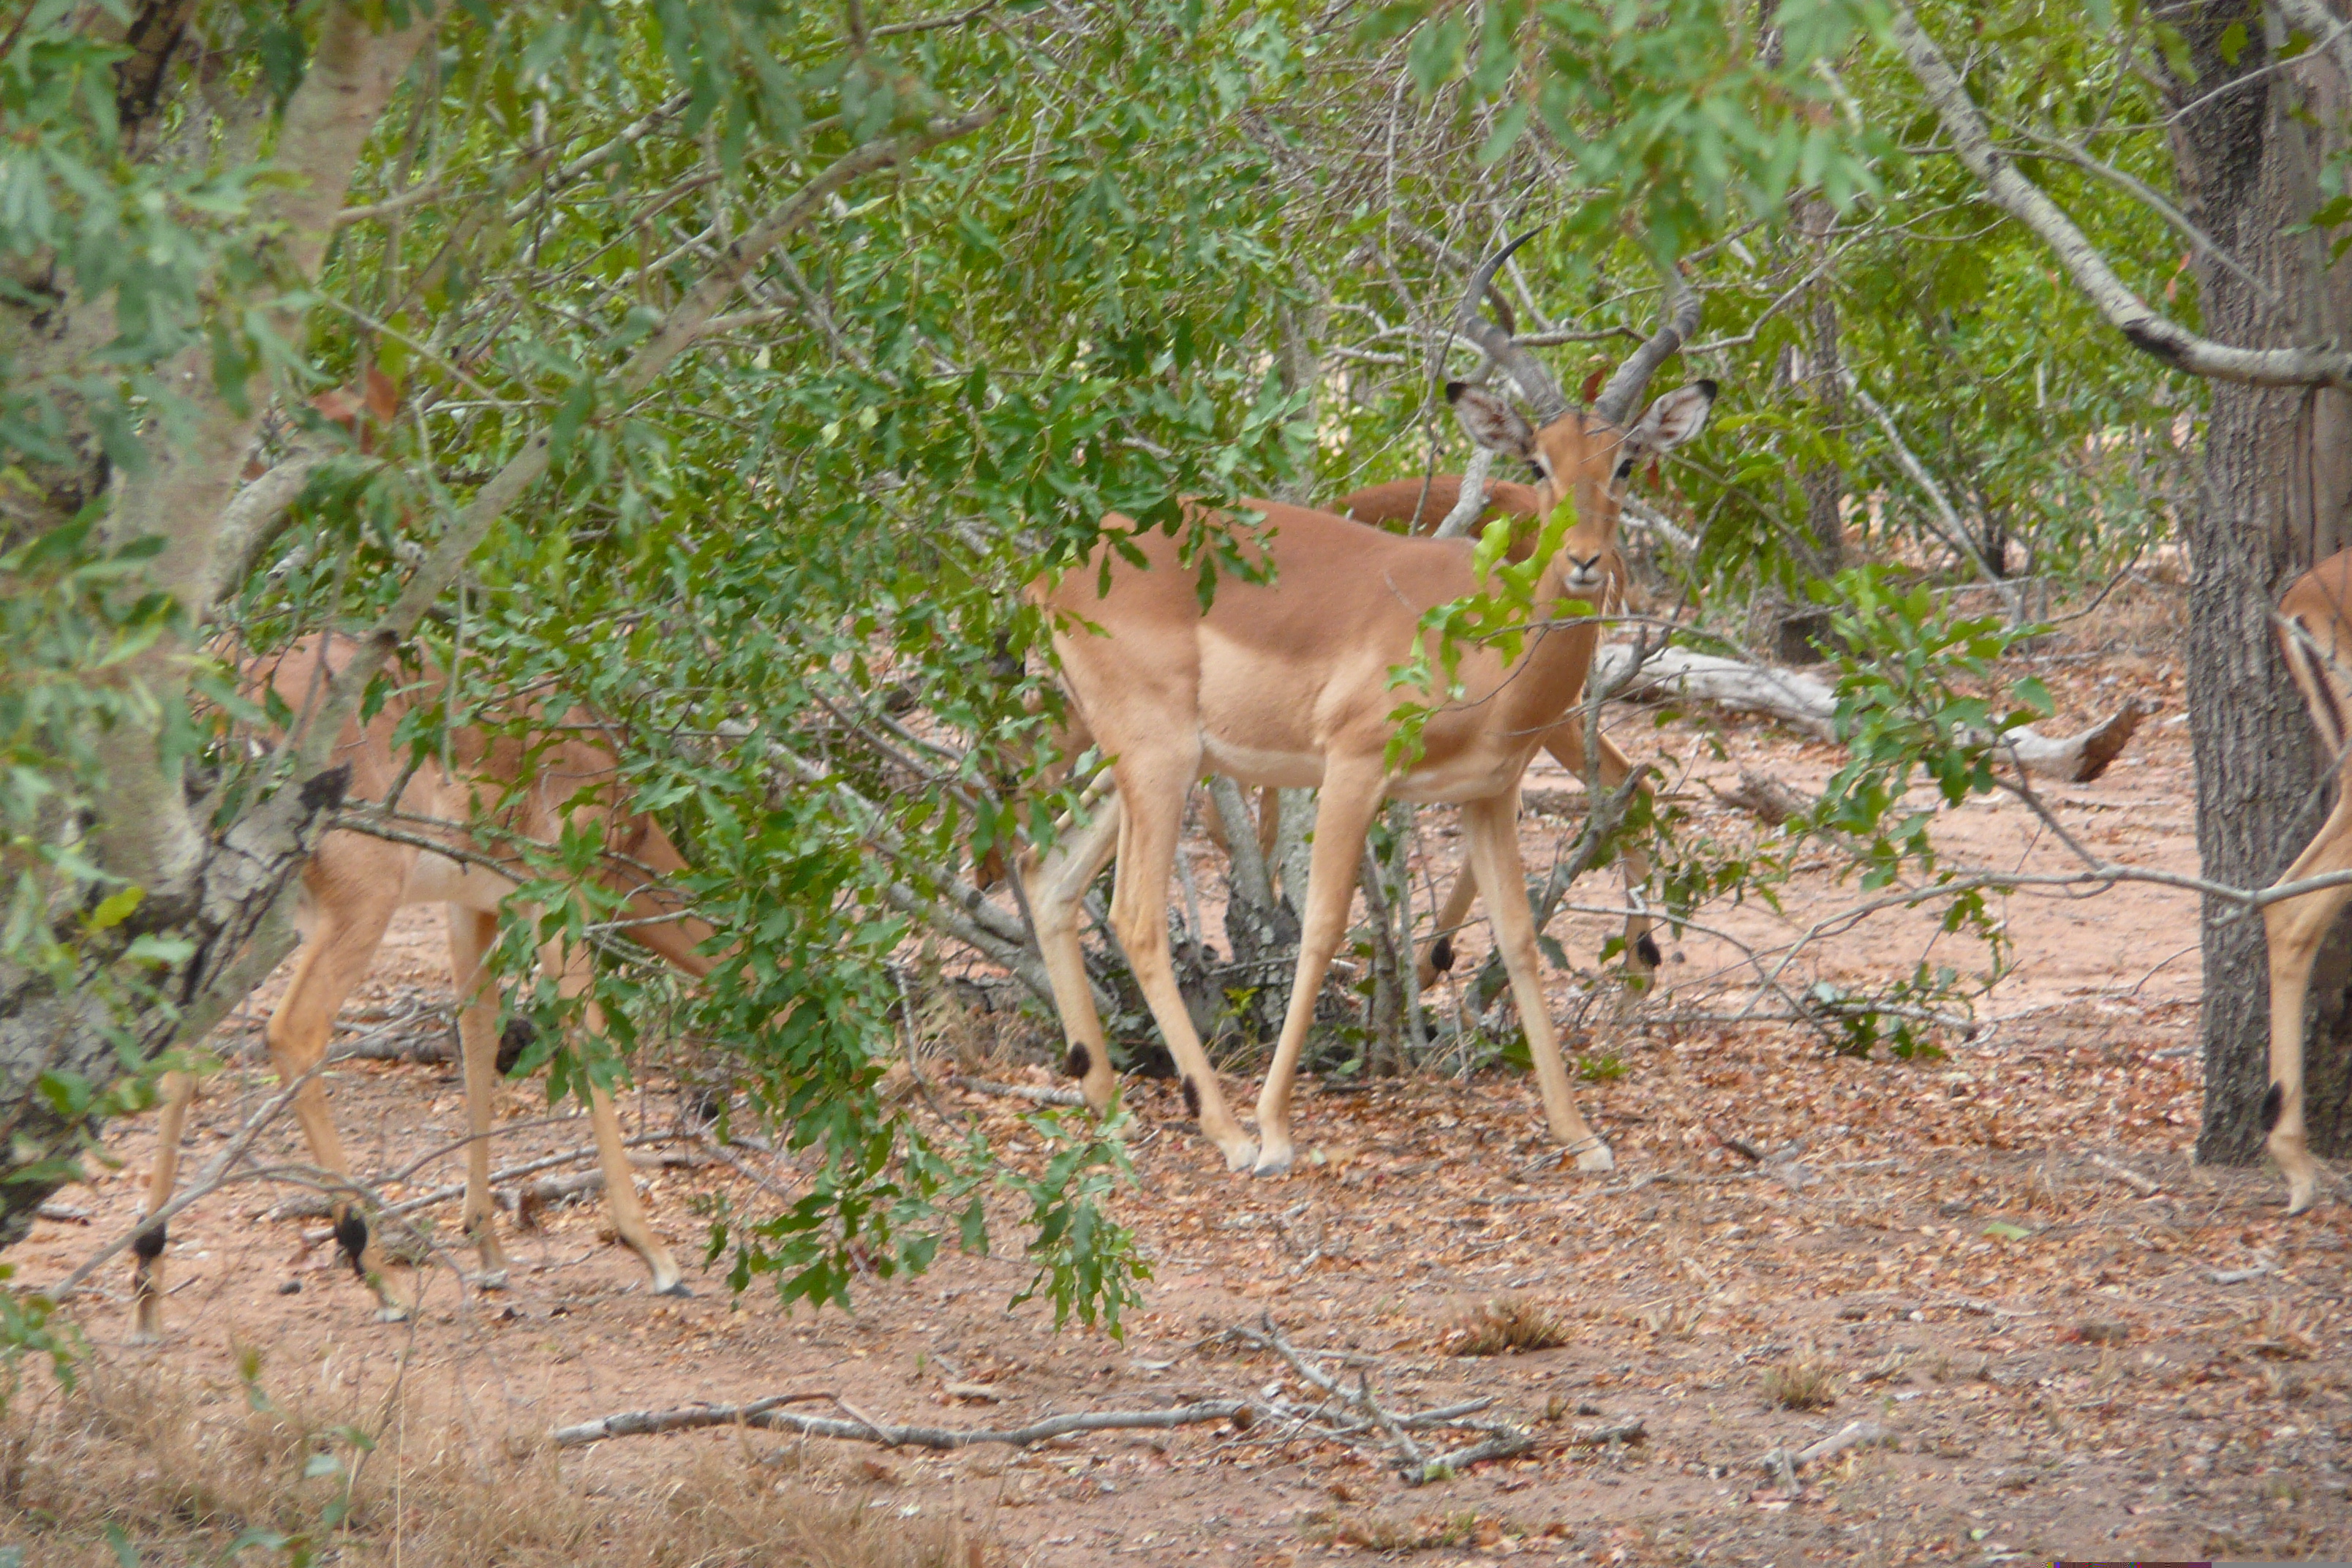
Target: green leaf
(115, 908)
(2008, 1232)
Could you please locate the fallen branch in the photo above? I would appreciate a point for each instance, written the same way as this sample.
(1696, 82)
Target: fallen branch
(2239, 1275)
(2125, 1174)
(1810, 706)
(1632, 1431)
(1029, 1091)
(1501, 1445)
(765, 1414)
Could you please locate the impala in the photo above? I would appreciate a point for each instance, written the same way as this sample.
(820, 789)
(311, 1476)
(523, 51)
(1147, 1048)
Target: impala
(352, 886)
(1286, 683)
(1420, 505)
(2314, 630)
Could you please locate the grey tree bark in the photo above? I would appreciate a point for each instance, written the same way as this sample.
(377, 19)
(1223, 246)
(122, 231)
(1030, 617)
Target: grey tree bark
(2277, 498)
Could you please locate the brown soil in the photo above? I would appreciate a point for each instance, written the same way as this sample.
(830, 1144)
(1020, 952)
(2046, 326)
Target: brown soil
(2055, 1366)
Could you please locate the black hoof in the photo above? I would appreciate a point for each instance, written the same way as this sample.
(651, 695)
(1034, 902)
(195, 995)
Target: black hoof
(1441, 954)
(352, 1236)
(1081, 1062)
(147, 1245)
(1647, 951)
(517, 1036)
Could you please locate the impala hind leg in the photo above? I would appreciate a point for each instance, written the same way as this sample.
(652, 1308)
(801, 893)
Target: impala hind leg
(147, 1249)
(2295, 927)
(1154, 788)
(345, 930)
(472, 933)
(1342, 813)
(1055, 885)
(1491, 826)
(1642, 956)
(620, 1180)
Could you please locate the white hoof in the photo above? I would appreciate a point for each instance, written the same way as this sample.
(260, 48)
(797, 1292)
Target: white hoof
(392, 1314)
(1271, 1163)
(1596, 1159)
(1241, 1156)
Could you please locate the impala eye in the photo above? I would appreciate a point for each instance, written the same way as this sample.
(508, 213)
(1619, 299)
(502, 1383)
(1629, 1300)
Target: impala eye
(1536, 471)
(1625, 470)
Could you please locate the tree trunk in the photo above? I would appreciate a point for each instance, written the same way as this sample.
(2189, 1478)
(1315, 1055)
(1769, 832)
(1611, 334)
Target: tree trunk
(64, 1036)
(2278, 478)
(1804, 633)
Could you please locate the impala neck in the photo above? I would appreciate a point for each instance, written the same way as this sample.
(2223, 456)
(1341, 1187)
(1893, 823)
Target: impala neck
(1550, 677)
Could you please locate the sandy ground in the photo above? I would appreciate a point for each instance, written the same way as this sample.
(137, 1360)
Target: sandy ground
(2053, 1363)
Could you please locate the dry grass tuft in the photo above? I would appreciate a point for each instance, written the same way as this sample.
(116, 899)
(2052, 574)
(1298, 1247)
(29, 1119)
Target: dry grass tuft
(1504, 1324)
(1804, 1382)
(155, 1463)
(1421, 1532)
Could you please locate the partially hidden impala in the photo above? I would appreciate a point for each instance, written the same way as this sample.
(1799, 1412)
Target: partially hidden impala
(538, 791)
(1286, 683)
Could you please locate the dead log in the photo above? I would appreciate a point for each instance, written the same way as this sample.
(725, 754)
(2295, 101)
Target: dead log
(765, 1414)
(1764, 798)
(1808, 705)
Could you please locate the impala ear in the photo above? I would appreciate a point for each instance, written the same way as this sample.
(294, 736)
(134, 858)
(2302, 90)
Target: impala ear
(1491, 422)
(1672, 420)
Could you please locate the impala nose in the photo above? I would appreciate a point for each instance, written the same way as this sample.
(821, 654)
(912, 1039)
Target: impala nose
(1585, 576)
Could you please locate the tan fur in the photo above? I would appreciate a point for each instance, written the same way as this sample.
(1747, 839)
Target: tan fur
(355, 882)
(1286, 685)
(2315, 631)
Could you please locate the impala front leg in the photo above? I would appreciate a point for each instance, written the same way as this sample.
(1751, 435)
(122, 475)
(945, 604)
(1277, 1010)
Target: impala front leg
(1155, 788)
(1565, 741)
(1491, 827)
(1342, 814)
(2295, 927)
(621, 1202)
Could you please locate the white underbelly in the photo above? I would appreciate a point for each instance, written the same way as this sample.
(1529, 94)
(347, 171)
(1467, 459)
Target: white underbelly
(1456, 781)
(440, 879)
(1250, 765)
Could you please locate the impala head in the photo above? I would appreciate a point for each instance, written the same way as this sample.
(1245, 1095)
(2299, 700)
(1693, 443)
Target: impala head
(1587, 454)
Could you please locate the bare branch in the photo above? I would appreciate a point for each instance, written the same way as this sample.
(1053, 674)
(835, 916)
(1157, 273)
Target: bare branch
(2130, 314)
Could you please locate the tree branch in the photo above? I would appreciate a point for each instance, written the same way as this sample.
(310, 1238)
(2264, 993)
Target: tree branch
(525, 469)
(2145, 329)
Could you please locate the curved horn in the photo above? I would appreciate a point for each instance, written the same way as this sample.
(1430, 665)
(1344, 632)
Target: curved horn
(1535, 383)
(1633, 378)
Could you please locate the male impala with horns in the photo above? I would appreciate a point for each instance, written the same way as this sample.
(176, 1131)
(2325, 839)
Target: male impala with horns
(1286, 682)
